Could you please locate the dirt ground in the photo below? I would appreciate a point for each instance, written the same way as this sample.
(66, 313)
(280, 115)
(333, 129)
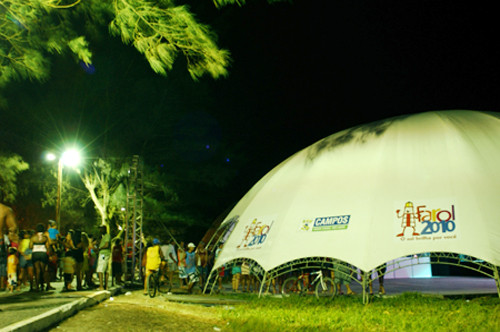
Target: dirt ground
(136, 312)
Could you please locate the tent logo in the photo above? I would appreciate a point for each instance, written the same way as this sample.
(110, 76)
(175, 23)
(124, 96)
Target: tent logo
(326, 223)
(255, 234)
(423, 223)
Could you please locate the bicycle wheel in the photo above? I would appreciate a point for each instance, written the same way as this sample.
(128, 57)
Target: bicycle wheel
(152, 285)
(289, 287)
(326, 289)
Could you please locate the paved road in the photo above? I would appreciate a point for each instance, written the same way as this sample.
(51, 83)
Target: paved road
(25, 308)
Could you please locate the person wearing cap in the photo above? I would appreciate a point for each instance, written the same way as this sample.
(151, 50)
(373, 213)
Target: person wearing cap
(153, 261)
(191, 265)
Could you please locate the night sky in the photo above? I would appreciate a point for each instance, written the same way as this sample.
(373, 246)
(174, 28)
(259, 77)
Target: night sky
(301, 71)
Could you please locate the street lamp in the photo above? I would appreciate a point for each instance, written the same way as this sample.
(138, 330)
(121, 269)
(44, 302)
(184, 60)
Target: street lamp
(69, 158)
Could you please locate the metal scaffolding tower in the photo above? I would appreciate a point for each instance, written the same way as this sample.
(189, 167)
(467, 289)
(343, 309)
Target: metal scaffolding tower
(134, 218)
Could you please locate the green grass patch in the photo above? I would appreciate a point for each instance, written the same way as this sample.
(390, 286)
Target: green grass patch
(407, 312)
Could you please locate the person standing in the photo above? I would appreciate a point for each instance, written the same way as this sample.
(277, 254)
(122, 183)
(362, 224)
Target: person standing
(12, 263)
(342, 275)
(222, 269)
(25, 260)
(245, 276)
(103, 259)
(191, 266)
(202, 262)
(236, 272)
(8, 225)
(116, 262)
(39, 245)
(68, 263)
(55, 250)
(170, 257)
(92, 258)
(381, 269)
(181, 263)
(85, 265)
(75, 246)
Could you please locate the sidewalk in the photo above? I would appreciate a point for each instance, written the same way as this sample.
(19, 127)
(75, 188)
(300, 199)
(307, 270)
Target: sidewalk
(36, 311)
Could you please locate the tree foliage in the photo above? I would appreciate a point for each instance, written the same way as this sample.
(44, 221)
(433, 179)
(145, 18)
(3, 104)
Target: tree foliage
(160, 30)
(102, 180)
(74, 197)
(32, 30)
(10, 166)
(221, 3)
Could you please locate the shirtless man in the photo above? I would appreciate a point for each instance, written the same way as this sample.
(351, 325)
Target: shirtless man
(7, 221)
(8, 225)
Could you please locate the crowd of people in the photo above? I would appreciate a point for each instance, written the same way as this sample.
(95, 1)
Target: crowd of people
(191, 263)
(37, 257)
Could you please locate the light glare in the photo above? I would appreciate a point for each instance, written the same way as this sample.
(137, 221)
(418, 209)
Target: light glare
(50, 156)
(71, 158)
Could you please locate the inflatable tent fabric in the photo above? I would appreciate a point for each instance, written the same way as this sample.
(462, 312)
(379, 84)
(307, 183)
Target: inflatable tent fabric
(428, 182)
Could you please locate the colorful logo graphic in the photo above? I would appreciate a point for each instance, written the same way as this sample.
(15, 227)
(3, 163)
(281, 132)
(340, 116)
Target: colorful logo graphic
(422, 222)
(326, 223)
(255, 234)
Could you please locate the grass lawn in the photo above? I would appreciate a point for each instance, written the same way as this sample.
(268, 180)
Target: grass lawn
(407, 312)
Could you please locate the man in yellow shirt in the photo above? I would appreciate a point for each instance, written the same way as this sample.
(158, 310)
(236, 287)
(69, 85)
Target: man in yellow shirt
(25, 260)
(154, 257)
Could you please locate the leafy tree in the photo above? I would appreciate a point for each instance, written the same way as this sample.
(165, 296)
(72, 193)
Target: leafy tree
(164, 212)
(220, 3)
(74, 197)
(10, 166)
(102, 181)
(32, 30)
(106, 182)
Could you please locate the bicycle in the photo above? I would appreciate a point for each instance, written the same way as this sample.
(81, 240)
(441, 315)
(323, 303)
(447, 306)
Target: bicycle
(157, 284)
(324, 287)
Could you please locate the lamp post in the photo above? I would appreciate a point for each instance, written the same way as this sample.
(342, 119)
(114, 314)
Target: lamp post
(70, 158)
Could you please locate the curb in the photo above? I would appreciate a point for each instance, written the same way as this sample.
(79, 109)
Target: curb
(203, 300)
(55, 315)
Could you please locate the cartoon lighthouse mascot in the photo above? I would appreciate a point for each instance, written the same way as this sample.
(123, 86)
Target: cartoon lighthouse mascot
(408, 218)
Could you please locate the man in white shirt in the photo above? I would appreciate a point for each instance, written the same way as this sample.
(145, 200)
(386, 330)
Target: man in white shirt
(170, 255)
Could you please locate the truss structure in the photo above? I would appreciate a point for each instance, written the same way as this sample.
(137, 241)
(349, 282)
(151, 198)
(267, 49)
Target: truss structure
(134, 218)
(271, 280)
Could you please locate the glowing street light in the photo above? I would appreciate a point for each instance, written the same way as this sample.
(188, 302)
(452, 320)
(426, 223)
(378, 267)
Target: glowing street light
(69, 158)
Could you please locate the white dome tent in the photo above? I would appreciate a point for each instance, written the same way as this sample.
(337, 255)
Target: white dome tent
(422, 183)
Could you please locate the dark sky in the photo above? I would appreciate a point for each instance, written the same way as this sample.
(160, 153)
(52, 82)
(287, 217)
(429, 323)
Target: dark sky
(301, 71)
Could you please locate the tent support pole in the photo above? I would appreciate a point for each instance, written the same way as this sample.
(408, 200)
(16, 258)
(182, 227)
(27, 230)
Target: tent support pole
(497, 278)
(208, 281)
(365, 282)
(264, 280)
